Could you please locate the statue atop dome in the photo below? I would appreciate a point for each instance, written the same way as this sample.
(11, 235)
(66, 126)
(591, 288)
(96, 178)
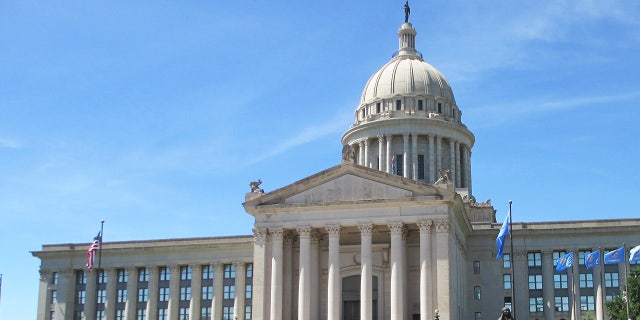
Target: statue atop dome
(407, 11)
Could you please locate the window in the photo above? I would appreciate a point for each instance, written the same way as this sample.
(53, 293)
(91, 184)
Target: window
(560, 281)
(229, 271)
(378, 107)
(556, 256)
(398, 104)
(227, 313)
(143, 294)
(439, 107)
(506, 281)
(611, 280)
(249, 272)
(507, 302)
(420, 105)
(562, 303)
(81, 277)
(163, 295)
(54, 296)
(476, 267)
(52, 315)
(165, 274)
(207, 272)
(229, 292)
(78, 315)
(119, 314)
(143, 275)
(163, 314)
(81, 297)
(205, 313)
(247, 312)
(477, 316)
(141, 314)
(102, 296)
(587, 303)
(123, 276)
(185, 273)
(55, 277)
(102, 276)
(399, 164)
(586, 280)
(506, 261)
(185, 293)
(121, 295)
(476, 292)
(100, 315)
(535, 282)
(421, 166)
(183, 313)
(248, 291)
(207, 293)
(534, 259)
(536, 304)
(581, 255)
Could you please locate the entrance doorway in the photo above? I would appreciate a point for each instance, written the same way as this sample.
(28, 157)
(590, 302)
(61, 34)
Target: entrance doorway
(351, 298)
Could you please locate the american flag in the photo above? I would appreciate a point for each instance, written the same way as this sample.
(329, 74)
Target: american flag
(93, 249)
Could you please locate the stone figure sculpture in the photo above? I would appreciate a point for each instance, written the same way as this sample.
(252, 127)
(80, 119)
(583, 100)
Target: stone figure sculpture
(407, 11)
(445, 176)
(255, 186)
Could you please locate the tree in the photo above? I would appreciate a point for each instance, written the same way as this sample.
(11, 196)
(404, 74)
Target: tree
(617, 308)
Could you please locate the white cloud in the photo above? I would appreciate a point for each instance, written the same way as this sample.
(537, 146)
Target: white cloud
(10, 143)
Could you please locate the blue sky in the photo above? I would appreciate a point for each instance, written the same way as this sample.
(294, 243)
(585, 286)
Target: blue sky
(155, 115)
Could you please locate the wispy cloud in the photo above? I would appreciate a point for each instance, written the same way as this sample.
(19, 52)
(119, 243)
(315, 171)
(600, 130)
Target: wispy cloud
(10, 143)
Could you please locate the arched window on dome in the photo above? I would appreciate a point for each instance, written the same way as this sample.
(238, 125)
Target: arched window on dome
(398, 104)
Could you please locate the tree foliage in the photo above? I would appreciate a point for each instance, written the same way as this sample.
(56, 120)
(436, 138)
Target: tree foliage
(617, 308)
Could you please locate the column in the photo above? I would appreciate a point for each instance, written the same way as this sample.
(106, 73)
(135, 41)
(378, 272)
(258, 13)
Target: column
(458, 173)
(218, 290)
(260, 292)
(366, 288)
(361, 153)
(195, 310)
(389, 153)
(405, 157)
(238, 303)
(575, 287)
(304, 280)
(426, 297)
(404, 272)
(438, 155)
(152, 285)
(287, 281)
(442, 299)
(110, 304)
(276, 273)
(132, 289)
(174, 291)
(66, 295)
(43, 294)
(90, 305)
(432, 159)
(315, 274)
(467, 176)
(414, 156)
(599, 289)
(452, 160)
(380, 153)
(547, 285)
(395, 262)
(334, 281)
(366, 153)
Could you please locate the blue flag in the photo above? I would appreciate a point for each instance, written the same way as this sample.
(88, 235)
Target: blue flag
(565, 262)
(592, 259)
(615, 256)
(504, 232)
(634, 254)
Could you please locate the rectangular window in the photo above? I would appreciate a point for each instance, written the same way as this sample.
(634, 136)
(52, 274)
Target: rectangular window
(183, 313)
(378, 107)
(421, 167)
(476, 292)
(100, 315)
(52, 315)
(143, 275)
(536, 304)
(143, 294)
(506, 261)
(207, 293)
(81, 277)
(165, 274)
(119, 314)
(506, 281)
(611, 280)
(163, 314)
(185, 293)
(229, 271)
(534, 259)
(102, 296)
(535, 282)
(399, 164)
(185, 273)
(229, 292)
(205, 313)
(439, 107)
(562, 304)
(556, 256)
(247, 313)
(581, 255)
(207, 272)
(249, 272)
(476, 267)
(586, 280)
(121, 295)
(55, 277)
(227, 313)
(420, 105)
(78, 315)
(507, 302)
(54, 296)
(81, 297)
(102, 276)
(587, 303)
(560, 281)
(141, 314)
(248, 291)
(163, 294)
(398, 104)
(123, 276)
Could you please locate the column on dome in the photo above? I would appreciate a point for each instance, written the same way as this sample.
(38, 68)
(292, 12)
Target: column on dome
(334, 280)
(458, 174)
(443, 250)
(547, 285)
(380, 152)
(238, 302)
(367, 162)
(174, 291)
(389, 153)
(438, 154)
(195, 307)
(132, 288)
(366, 287)
(260, 292)
(467, 169)
(152, 286)
(405, 155)
(276, 273)
(452, 160)
(218, 290)
(395, 263)
(414, 155)
(287, 270)
(92, 287)
(304, 276)
(361, 160)
(110, 303)
(426, 285)
(432, 159)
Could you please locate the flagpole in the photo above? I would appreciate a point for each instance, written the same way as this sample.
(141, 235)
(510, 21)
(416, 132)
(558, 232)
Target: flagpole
(513, 276)
(100, 243)
(98, 270)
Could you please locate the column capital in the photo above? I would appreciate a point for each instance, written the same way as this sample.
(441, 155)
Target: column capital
(365, 228)
(260, 235)
(366, 142)
(333, 230)
(153, 268)
(217, 267)
(276, 233)
(195, 267)
(240, 265)
(396, 227)
(304, 232)
(442, 225)
(174, 268)
(131, 269)
(425, 225)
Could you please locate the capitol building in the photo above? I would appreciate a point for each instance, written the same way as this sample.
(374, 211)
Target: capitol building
(393, 231)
